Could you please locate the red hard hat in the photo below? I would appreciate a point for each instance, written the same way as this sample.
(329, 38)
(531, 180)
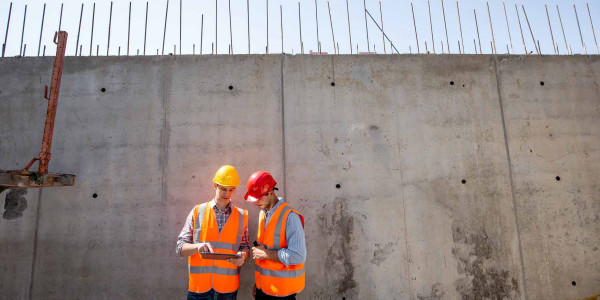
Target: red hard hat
(258, 185)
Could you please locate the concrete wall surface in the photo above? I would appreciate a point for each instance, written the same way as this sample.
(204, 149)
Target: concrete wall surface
(419, 176)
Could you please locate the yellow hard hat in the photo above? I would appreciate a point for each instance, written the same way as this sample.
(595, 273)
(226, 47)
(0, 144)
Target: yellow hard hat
(227, 176)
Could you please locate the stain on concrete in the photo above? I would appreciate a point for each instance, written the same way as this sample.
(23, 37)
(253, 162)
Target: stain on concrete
(337, 225)
(382, 253)
(478, 260)
(14, 204)
(437, 293)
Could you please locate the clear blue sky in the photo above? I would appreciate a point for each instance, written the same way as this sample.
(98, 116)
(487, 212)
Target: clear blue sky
(397, 21)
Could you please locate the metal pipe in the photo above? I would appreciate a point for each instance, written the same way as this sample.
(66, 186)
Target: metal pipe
(563, 30)
(508, 29)
(201, 33)
(580, 35)
(530, 31)
(109, 25)
(593, 32)
(431, 27)
(41, 30)
(60, 18)
(79, 30)
(145, 28)
(460, 26)
(331, 24)
(248, 17)
(7, 26)
(445, 26)
(521, 28)
(550, 25)
(281, 26)
(382, 36)
(23, 31)
(92, 33)
(349, 34)
(366, 26)
(491, 27)
(477, 26)
(230, 31)
(300, 27)
(165, 29)
(415, 25)
(129, 28)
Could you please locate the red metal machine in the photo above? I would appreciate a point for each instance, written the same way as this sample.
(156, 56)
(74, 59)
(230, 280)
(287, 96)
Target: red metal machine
(12, 179)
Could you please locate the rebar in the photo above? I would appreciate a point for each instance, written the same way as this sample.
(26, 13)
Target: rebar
(129, 29)
(593, 32)
(460, 27)
(331, 24)
(530, 31)
(165, 29)
(145, 28)
(366, 26)
(521, 29)
(230, 31)
(445, 26)
(347, 14)
(508, 29)
(92, 32)
(23, 32)
(550, 26)
(382, 36)
(415, 25)
(79, 30)
(431, 27)
(563, 30)
(7, 26)
(41, 30)
(491, 27)
(477, 26)
(109, 25)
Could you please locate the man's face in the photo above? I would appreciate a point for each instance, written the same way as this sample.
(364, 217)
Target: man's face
(224, 193)
(263, 202)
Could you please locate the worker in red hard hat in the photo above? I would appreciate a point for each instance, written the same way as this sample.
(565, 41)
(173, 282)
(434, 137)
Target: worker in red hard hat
(216, 226)
(280, 250)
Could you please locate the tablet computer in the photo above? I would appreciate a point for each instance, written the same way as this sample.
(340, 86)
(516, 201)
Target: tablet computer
(218, 256)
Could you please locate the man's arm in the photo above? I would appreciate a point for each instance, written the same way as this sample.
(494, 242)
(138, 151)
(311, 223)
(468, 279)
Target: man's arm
(295, 253)
(185, 246)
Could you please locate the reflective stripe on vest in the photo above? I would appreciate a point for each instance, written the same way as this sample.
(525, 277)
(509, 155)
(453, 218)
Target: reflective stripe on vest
(213, 269)
(280, 274)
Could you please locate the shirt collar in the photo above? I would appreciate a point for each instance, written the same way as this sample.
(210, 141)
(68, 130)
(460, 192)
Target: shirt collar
(216, 207)
(274, 208)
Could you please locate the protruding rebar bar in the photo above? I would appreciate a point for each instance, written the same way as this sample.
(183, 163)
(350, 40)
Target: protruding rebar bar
(317, 22)
(477, 26)
(530, 31)
(391, 43)
(491, 27)
(23, 32)
(521, 29)
(109, 25)
(165, 29)
(331, 24)
(92, 32)
(563, 30)
(580, 35)
(248, 18)
(80, 49)
(129, 28)
(217, 26)
(431, 27)
(550, 26)
(349, 33)
(145, 28)
(366, 26)
(7, 26)
(300, 28)
(24, 49)
(415, 25)
(593, 32)
(268, 26)
(460, 27)
(281, 26)
(60, 18)
(445, 26)
(382, 35)
(508, 29)
(230, 30)
(201, 32)
(79, 30)
(44, 52)
(41, 30)
(180, 23)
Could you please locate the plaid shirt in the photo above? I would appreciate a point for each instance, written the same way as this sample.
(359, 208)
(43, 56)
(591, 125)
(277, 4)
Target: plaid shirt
(186, 235)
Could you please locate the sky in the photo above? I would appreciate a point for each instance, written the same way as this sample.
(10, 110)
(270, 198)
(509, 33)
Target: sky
(199, 24)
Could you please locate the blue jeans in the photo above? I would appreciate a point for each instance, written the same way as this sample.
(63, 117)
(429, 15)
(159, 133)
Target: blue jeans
(212, 295)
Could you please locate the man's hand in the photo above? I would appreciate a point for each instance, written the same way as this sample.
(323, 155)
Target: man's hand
(204, 247)
(259, 252)
(239, 261)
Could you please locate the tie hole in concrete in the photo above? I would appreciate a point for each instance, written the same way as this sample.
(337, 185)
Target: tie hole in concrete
(542, 83)
(463, 181)
(573, 283)
(337, 186)
(103, 90)
(557, 178)
(95, 195)
(333, 84)
(231, 87)
(451, 82)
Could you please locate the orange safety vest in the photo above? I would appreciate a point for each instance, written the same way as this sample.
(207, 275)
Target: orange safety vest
(220, 275)
(274, 278)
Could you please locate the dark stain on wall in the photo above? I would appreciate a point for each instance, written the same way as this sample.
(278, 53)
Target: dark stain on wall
(478, 261)
(338, 226)
(14, 204)
(437, 293)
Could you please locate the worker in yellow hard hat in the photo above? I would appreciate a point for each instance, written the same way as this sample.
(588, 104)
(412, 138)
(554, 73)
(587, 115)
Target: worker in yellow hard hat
(219, 227)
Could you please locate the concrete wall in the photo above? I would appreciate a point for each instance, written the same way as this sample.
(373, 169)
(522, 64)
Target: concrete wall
(420, 177)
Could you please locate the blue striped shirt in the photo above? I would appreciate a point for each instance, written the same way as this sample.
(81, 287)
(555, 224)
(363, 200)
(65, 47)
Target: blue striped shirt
(295, 253)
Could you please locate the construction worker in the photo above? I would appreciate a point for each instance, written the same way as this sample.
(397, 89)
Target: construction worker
(280, 247)
(216, 226)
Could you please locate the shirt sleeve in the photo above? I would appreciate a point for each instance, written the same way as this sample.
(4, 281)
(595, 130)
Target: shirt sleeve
(185, 237)
(295, 253)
